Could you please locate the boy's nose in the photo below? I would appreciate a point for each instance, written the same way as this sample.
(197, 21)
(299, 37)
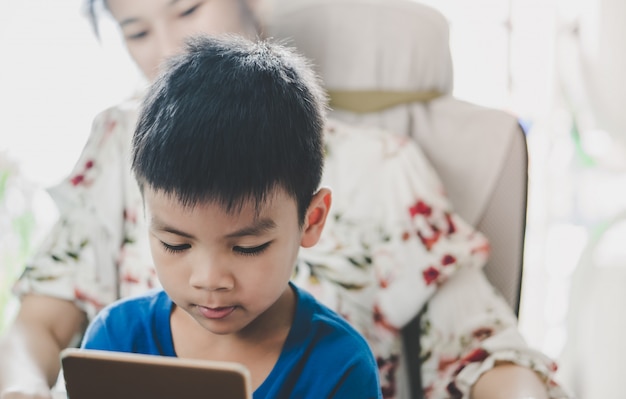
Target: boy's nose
(209, 276)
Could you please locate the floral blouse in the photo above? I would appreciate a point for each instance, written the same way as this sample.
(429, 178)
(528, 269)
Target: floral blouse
(392, 247)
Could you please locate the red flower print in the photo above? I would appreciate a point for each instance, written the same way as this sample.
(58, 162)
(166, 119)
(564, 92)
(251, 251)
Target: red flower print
(481, 249)
(482, 333)
(430, 275)
(429, 242)
(80, 178)
(451, 225)
(420, 208)
(76, 180)
(387, 369)
(130, 215)
(380, 320)
(553, 367)
(448, 260)
(129, 278)
(151, 278)
(477, 355)
(83, 296)
(445, 362)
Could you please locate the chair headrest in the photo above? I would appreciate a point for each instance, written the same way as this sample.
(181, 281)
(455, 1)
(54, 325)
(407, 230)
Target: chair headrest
(404, 45)
(394, 57)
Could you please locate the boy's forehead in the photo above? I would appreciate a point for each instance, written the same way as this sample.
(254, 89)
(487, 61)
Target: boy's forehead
(167, 213)
(249, 207)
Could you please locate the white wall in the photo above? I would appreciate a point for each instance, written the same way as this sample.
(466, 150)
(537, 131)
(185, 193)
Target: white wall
(54, 77)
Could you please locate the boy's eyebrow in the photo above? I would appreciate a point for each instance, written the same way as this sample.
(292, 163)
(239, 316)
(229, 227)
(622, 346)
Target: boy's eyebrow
(259, 227)
(158, 225)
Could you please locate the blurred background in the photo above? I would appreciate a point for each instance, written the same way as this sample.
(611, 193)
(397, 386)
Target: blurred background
(558, 65)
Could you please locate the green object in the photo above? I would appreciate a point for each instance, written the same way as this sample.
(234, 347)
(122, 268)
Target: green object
(583, 156)
(4, 179)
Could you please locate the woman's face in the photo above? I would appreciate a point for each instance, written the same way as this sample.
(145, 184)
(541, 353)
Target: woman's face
(156, 29)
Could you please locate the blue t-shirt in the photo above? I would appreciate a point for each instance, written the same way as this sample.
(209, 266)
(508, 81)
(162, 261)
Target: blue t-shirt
(323, 356)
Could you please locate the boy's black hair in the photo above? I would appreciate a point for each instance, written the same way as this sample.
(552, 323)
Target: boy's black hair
(230, 121)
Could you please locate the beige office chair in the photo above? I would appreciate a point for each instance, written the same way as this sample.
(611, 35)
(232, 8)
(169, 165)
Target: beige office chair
(387, 63)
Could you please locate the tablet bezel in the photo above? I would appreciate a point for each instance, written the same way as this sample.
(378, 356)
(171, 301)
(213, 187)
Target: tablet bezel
(127, 375)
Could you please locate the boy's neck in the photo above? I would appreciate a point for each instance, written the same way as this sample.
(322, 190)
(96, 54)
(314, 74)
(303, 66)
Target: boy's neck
(257, 347)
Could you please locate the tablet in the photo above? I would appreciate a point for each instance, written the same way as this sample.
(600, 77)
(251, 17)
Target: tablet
(91, 374)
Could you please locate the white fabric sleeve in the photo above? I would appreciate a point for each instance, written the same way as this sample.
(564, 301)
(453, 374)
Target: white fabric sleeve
(77, 259)
(468, 327)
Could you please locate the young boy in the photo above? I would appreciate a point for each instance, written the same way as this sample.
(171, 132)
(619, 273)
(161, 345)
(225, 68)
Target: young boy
(228, 154)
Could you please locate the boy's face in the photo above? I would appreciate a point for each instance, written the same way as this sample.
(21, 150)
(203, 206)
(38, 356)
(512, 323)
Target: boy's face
(227, 269)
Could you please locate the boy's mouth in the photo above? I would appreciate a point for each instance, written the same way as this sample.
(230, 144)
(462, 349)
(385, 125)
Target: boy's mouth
(216, 313)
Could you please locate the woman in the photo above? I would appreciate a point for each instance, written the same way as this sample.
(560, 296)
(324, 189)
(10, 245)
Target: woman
(98, 250)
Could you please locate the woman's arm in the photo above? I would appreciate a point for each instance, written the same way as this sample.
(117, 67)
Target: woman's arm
(73, 273)
(475, 349)
(509, 381)
(29, 350)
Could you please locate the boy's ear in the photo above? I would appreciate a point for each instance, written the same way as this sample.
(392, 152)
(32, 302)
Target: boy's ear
(315, 217)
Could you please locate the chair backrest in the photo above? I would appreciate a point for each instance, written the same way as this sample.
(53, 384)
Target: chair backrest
(397, 51)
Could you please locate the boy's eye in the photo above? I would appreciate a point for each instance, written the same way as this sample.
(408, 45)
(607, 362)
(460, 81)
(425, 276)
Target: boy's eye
(175, 248)
(190, 11)
(252, 250)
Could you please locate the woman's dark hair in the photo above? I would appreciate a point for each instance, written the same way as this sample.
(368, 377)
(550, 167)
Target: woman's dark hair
(89, 8)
